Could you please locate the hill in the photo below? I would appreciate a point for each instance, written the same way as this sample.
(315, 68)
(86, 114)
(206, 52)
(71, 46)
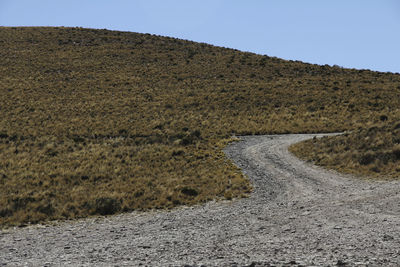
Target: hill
(101, 122)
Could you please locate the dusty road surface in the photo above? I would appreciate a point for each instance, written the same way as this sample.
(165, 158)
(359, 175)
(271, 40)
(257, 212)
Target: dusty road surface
(298, 215)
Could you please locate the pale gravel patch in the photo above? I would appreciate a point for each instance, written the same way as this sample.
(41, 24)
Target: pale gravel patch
(298, 214)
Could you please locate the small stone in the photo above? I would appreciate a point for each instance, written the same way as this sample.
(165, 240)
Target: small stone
(387, 237)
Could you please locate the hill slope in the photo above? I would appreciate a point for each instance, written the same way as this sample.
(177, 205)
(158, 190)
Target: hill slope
(373, 151)
(99, 122)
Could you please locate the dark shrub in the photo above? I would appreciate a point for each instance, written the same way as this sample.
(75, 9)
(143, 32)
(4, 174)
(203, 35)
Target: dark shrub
(367, 159)
(189, 191)
(383, 118)
(396, 153)
(107, 206)
(78, 139)
(46, 209)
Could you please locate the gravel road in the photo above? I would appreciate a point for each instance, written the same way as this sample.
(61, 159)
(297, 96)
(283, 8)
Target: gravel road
(299, 214)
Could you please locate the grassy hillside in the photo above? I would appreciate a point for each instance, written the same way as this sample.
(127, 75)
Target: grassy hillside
(100, 122)
(372, 152)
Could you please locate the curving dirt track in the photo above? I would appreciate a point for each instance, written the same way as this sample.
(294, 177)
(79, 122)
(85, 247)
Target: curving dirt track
(299, 214)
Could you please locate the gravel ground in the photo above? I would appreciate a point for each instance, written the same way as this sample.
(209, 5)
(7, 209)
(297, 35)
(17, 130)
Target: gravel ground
(299, 214)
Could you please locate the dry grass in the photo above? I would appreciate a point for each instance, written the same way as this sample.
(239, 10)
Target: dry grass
(100, 122)
(373, 151)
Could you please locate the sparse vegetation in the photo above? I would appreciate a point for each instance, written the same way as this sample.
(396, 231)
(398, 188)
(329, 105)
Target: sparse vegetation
(100, 122)
(373, 151)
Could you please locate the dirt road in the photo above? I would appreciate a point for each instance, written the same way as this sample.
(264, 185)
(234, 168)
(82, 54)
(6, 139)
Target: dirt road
(299, 214)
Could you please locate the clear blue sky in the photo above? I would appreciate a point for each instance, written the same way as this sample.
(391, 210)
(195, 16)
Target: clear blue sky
(349, 33)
